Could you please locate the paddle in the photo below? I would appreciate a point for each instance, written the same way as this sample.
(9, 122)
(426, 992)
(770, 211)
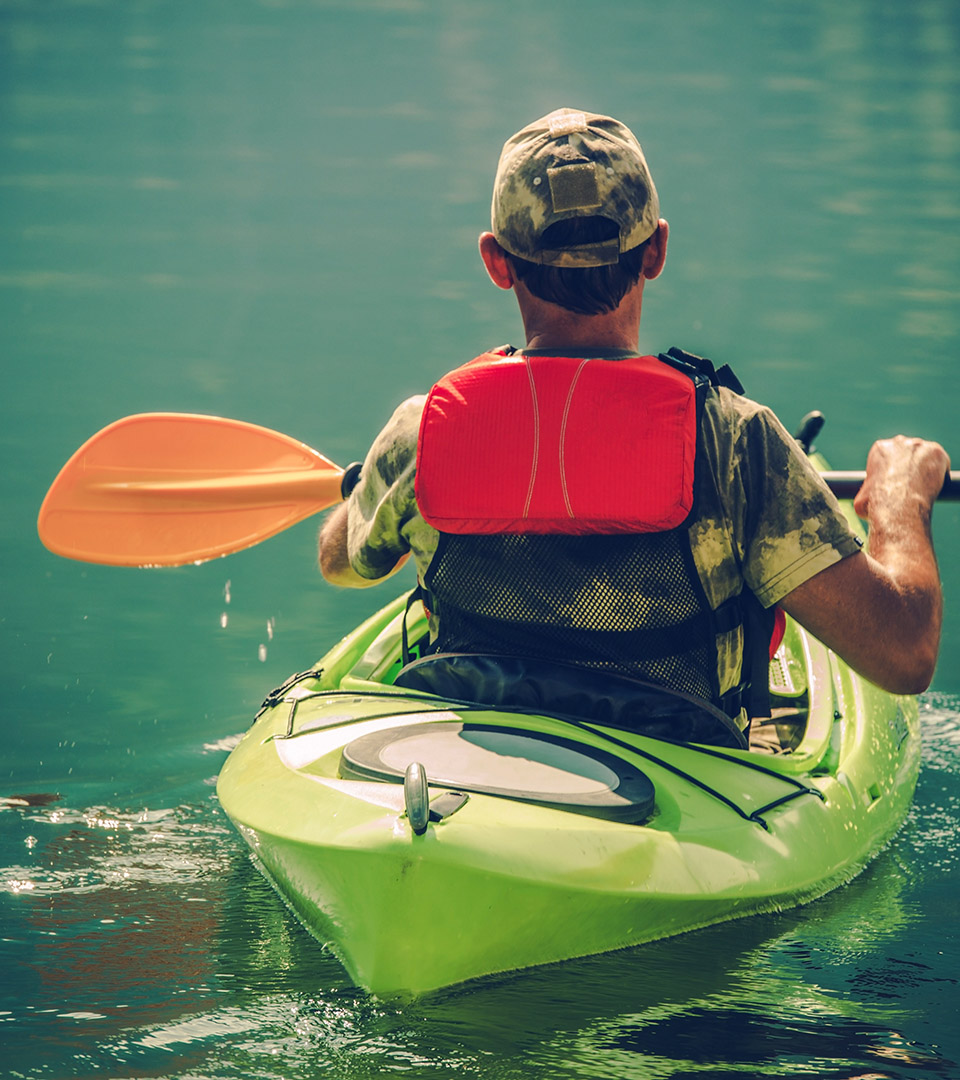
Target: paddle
(165, 489)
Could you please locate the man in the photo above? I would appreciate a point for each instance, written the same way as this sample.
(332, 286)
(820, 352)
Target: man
(663, 578)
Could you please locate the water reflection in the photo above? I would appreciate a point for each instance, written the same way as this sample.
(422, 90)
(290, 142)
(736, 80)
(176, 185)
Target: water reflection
(157, 928)
(113, 925)
(154, 930)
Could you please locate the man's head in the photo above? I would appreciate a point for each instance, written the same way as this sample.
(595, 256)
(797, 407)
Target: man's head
(571, 165)
(574, 206)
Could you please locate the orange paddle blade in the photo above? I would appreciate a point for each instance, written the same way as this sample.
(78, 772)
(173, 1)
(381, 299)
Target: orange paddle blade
(164, 489)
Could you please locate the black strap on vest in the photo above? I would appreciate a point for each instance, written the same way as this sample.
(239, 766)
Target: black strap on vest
(753, 693)
(419, 593)
(689, 363)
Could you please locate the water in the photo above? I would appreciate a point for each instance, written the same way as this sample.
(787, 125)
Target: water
(269, 210)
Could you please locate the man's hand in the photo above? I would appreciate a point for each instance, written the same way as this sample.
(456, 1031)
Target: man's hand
(902, 472)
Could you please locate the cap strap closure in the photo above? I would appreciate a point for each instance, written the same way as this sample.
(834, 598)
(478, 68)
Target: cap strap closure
(600, 253)
(566, 122)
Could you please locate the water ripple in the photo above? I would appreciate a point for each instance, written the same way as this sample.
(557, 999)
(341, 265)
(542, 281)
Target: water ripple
(83, 850)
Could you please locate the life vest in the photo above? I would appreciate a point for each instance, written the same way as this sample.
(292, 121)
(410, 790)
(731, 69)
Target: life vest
(517, 444)
(562, 489)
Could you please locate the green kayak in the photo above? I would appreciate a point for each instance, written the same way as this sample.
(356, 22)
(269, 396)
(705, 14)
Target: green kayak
(428, 841)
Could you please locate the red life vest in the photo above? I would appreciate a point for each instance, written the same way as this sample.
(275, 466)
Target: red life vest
(521, 444)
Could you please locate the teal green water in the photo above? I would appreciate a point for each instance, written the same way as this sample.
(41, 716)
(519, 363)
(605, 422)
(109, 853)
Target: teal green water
(269, 211)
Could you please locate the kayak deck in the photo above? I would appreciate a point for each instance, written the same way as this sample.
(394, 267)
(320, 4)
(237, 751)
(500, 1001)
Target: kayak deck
(499, 884)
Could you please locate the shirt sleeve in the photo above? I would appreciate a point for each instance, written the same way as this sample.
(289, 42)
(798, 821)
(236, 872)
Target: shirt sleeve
(383, 502)
(793, 526)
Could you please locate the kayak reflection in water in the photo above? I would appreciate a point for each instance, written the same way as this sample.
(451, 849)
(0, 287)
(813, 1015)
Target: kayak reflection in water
(576, 502)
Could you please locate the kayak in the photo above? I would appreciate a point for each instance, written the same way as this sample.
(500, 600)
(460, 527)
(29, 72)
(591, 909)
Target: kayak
(428, 840)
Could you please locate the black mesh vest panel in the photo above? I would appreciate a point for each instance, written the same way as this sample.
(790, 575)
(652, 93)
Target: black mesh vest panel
(631, 604)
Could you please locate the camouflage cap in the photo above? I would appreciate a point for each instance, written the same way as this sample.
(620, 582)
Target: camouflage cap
(572, 164)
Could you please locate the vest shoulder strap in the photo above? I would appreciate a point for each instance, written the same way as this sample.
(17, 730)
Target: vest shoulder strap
(700, 366)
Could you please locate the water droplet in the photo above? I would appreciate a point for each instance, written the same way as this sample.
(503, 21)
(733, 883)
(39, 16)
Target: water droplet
(223, 621)
(262, 653)
(31, 841)
(226, 592)
(271, 623)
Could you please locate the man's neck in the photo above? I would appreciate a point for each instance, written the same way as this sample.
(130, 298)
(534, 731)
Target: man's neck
(555, 338)
(548, 326)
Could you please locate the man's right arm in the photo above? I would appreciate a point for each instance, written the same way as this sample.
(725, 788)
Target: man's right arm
(881, 610)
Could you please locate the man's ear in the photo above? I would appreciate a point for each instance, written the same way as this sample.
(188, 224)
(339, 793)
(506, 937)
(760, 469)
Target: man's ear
(496, 261)
(656, 252)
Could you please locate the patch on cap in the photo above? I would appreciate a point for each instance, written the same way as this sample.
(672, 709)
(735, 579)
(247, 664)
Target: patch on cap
(574, 187)
(594, 167)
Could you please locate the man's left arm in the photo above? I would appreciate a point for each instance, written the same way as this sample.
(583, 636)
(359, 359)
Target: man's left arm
(363, 541)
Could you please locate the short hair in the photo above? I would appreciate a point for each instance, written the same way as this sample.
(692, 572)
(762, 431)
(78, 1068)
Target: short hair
(590, 290)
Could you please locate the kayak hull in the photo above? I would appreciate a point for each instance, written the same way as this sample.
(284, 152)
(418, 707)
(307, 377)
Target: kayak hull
(502, 884)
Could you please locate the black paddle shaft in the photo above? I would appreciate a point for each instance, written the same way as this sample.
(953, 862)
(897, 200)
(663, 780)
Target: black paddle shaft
(845, 485)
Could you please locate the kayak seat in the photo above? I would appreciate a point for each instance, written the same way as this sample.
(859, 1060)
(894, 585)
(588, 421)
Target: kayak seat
(547, 687)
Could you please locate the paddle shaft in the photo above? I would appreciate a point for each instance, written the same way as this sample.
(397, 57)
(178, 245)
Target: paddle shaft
(845, 485)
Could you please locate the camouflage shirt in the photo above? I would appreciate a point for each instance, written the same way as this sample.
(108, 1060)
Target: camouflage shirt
(767, 521)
